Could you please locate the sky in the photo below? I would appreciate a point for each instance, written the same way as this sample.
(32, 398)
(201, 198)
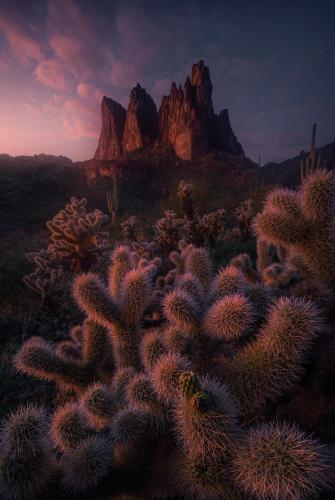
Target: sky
(272, 65)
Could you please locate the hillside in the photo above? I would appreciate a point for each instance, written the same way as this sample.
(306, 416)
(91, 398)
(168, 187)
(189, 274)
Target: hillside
(288, 171)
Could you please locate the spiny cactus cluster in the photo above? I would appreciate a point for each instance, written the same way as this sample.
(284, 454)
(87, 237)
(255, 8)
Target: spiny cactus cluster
(244, 214)
(302, 223)
(167, 231)
(208, 228)
(130, 228)
(185, 194)
(77, 237)
(175, 410)
(47, 274)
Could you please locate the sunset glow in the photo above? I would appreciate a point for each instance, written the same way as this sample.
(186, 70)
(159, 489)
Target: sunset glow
(59, 57)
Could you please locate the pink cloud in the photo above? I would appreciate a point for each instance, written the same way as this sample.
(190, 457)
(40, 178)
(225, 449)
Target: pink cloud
(23, 44)
(80, 120)
(53, 74)
(88, 91)
(3, 64)
(122, 73)
(74, 54)
(136, 34)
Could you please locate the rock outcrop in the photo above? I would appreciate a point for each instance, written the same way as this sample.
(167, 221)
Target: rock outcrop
(227, 139)
(141, 127)
(113, 118)
(186, 121)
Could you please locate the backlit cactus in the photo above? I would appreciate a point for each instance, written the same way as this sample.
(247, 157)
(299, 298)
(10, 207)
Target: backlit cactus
(178, 409)
(77, 237)
(68, 427)
(302, 223)
(26, 462)
(278, 461)
(86, 465)
(244, 214)
(47, 274)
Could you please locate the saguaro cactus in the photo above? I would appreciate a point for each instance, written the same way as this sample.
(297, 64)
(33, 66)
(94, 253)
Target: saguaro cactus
(312, 162)
(113, 200)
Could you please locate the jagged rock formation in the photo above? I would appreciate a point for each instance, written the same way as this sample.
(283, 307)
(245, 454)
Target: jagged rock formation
(141, 127)
(186, 121)
(113, 118)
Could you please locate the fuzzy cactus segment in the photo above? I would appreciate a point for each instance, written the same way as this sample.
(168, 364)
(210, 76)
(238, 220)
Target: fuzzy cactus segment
(203, 480)
(123, 319)
(68, 350)
(281, 229)
(94, 344)
(165, 376)
(277, 461)
(122, 377)
(181, 309)
(152, 347)
(191, 285)
(227, 281)
(206, 423)
(264, 259)
(86, 465)
(68, 427)
(93, 298)
(284, 200)
(229, 318)
(142, 397)
(317, 196)
(37, 358)
(25, 454)
(120, 266)
(274, 361)
(132, 424)
(198, 263)
(302, 223)
(135, 295)
(98, 405)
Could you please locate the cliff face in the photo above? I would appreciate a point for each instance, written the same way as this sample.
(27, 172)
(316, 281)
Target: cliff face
(113, 118)
(141, 127)
(186, 121)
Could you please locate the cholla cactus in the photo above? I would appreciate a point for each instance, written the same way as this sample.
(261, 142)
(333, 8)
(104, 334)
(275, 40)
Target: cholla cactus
(47, 274)
(278, 461)
(302, 223)
(244, 214)
(209, 228)
(172, 417)
(185, 194)
(77, 237)
(168, 231)
(26, 463)
(130, 228)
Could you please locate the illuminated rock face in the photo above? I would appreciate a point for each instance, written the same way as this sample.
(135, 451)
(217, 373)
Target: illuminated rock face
(186, 121)
(141, 128)
(113, 118)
